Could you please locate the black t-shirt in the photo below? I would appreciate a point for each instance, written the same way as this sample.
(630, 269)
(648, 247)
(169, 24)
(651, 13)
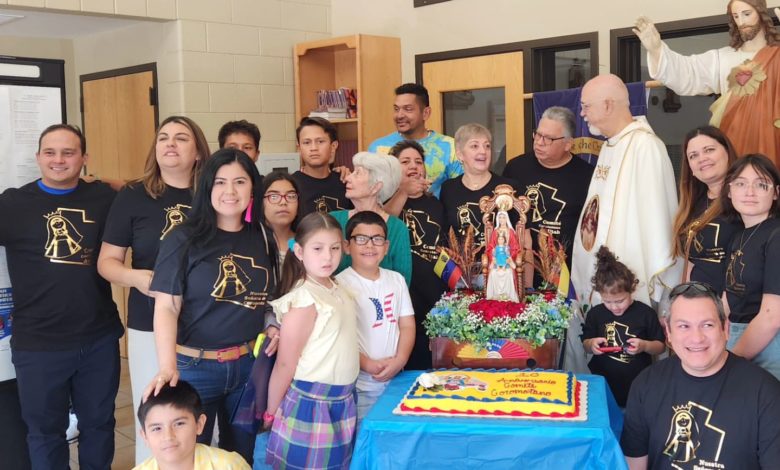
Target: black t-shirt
(321, 194)
(461, 205)
(424, 217)
(708, 249)
(557, 196)
(752, 269)
(621, 368)
(728, 420)
(138, 221)
(224, 286)
(52, 244)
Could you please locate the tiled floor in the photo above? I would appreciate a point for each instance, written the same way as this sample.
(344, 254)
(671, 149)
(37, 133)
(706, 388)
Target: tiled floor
(124, 435)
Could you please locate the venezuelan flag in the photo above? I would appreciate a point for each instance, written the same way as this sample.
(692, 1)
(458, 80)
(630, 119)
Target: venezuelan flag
(565, 287)
(447, 270)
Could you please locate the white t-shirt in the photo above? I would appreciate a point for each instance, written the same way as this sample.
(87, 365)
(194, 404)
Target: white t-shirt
(380, 305)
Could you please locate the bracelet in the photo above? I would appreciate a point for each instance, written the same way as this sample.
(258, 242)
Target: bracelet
(267, 417)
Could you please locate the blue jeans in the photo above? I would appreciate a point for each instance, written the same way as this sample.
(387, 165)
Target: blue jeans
(768, 359)
(219, 385)
(48, 380)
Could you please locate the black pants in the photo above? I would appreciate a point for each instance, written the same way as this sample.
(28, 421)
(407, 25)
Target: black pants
(13, 432)
(48, 380)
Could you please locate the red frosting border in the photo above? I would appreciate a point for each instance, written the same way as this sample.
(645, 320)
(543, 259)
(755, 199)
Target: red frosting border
(535, 414)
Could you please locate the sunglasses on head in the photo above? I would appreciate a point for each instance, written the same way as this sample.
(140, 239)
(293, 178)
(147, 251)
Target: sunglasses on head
(692, 285)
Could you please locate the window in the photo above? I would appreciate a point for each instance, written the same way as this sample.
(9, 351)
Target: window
(549, 64)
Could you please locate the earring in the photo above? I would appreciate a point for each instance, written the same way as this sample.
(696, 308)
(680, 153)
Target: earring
(248, 216)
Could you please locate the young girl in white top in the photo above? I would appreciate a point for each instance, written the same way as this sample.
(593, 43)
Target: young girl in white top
(312, 386)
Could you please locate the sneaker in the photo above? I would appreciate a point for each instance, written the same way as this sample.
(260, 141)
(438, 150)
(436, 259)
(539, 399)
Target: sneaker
(73, 428)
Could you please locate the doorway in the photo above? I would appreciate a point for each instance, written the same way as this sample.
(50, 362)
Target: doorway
(119, 116)
(486, 89)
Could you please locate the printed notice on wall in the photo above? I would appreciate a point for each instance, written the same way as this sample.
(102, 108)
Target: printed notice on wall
(24, 113)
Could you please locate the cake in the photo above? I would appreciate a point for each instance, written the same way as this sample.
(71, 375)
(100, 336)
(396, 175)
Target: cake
(524, 394)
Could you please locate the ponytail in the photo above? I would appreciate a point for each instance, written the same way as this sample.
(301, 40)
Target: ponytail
(612, 275)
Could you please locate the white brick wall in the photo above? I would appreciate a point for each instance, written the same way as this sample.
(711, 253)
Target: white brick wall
(229, 59)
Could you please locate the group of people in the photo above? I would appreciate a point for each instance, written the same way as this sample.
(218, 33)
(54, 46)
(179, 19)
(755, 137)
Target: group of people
(336, 267)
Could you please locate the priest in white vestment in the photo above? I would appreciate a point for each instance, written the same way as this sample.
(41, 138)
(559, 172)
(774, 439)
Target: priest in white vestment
(631, 200)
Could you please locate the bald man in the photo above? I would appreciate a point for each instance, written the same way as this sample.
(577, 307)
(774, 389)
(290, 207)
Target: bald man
(631, 199)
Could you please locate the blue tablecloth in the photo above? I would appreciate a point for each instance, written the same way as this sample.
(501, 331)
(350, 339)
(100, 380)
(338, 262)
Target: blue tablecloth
(387, 441)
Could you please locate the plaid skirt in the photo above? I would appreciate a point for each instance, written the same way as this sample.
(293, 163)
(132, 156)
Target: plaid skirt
(317, 427)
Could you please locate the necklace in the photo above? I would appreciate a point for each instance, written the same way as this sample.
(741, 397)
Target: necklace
(731, 277)
(475, 185)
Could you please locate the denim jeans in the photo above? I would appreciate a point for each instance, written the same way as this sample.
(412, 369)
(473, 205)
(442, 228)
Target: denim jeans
(768, 359)
(219, 385)
(88, 376)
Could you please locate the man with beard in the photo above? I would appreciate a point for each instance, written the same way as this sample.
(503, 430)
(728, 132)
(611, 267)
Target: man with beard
(410, 110)
(631, 199)
(746, 74)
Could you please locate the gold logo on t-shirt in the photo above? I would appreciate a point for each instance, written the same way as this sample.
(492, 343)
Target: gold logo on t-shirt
(543, 201)
(467, 215)
(174, 216)
(692, 437)
(417, 233)
(325, 204)
(617, 334)
(234, 281)
(63, 237)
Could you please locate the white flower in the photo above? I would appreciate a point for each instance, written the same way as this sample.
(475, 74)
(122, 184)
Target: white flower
(427, 380)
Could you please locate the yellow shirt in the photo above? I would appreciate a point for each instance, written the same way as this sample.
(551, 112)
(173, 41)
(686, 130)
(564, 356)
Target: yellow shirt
(331, 354)
(206, 458)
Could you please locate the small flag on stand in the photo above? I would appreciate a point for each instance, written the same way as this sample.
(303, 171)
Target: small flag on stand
(565, 287)
(447, 270)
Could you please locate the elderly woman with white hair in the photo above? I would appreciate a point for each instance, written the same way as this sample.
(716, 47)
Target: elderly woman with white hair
(375, 179)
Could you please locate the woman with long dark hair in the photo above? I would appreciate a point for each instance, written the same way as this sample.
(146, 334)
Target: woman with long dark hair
(701, 232)
(211, 285)
(752, 285)
(281, 208)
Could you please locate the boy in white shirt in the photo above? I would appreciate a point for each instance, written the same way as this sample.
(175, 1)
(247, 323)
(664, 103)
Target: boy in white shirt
(385, 314)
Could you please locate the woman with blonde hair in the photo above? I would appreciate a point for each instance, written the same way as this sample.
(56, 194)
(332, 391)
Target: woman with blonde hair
(461, 195)
(144, 213)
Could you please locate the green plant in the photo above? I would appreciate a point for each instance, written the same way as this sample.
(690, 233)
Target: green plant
(468, 317)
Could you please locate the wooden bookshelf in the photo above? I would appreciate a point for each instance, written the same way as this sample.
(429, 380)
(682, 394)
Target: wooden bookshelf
(371, 65)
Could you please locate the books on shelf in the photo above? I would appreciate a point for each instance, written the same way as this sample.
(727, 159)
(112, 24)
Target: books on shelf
(336, 104)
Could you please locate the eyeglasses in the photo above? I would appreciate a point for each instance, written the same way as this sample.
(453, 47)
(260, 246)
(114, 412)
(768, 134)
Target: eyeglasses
(546, 140)
(377, 240)
(276, 198)
(692, 285)
(758, 186)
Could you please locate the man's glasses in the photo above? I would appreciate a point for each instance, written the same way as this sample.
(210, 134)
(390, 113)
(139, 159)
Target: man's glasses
(758, 186)
(546, 140)
(276, 198)
(377, 240)
(692, 286)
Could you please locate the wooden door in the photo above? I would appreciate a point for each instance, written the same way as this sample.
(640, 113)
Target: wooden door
(119, 116)
(495, 71)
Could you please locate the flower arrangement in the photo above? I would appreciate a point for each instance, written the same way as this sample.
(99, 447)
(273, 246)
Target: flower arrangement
(466, 316)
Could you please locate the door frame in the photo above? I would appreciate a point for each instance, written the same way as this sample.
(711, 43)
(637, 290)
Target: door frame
(150, 67)
(531, 79)
(510, 80)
